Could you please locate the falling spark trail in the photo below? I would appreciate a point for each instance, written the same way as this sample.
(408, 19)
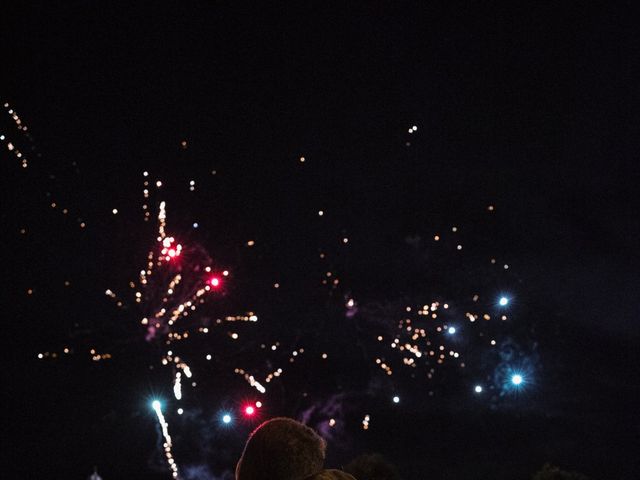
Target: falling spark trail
(177, 386)
(167, 439)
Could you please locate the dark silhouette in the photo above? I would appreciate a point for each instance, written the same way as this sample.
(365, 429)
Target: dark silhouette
(550, 472)
(372, 466)
(331, 475)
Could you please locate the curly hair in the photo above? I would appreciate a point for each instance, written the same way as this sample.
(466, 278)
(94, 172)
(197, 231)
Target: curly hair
(281, 449)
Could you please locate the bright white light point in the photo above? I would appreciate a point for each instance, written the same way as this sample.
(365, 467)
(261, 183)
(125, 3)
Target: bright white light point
(345, 240)
(516, 379)
(208, 357)
(478, 389)
(225, 273)
(145, 174)
(158, 184)
(415, 128)
(114, 211)
(503, 301)
(320, 212)
(180, 411)
(195, 225)
(258, 404)
(226, 418)
(40, 355)
(156, 405)
(452, 330)
(192, 182)
(396, 399)
(302, 159)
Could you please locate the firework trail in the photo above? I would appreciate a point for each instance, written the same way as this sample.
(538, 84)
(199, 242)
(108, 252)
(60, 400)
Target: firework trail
(10, 143)
(157, 407)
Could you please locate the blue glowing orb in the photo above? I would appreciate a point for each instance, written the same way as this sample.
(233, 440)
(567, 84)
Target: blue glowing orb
(452, 330)
(517, 379)
(226, 418)
(503, 301)
(156, 405)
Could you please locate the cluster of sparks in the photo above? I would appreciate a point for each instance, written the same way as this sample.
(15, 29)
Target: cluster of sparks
(175, 282)
(259, 386)
(11, 147)
(427, 339)
(170, 289)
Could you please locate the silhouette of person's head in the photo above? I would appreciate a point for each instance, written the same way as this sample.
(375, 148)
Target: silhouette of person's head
(281, 449)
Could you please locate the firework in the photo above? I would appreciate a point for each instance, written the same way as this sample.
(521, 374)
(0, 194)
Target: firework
(175, 282)
(167, 445)
(9, 143)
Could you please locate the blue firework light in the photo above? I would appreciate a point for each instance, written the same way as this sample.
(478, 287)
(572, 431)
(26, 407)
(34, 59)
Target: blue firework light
(515, 372)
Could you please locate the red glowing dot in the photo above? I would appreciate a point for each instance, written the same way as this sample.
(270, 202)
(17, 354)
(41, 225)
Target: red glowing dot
(249, 410)
(215, 282)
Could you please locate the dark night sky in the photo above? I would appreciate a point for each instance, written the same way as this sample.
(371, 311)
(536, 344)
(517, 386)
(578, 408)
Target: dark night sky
(533, 109)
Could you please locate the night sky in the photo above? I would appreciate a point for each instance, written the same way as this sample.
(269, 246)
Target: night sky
(524, 151)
